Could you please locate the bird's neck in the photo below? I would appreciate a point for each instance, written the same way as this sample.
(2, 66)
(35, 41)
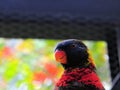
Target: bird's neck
(87, 65)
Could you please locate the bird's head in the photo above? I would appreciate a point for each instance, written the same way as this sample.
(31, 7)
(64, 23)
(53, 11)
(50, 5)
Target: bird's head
(73, 53)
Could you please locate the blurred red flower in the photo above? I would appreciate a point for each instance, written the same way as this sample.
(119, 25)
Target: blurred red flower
(39, 76)
(51, 69)
(6, 52)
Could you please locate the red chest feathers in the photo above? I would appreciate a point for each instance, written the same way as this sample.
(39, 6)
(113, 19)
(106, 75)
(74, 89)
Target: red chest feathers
(85, 76)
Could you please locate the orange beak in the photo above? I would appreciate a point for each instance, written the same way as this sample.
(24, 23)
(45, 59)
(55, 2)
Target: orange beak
(60, 56)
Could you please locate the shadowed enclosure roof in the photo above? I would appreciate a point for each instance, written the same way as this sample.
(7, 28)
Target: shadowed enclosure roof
(105, 10)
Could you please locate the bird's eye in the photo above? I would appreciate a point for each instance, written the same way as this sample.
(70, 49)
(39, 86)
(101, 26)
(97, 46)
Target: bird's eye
(73, 45)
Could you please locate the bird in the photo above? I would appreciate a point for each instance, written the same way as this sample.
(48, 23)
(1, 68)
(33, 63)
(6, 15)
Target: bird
(79, 67)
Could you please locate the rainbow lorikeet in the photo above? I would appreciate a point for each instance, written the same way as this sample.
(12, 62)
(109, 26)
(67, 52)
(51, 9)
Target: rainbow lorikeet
(79, 67)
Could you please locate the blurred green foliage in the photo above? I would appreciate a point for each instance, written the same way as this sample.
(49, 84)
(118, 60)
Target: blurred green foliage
(29, 64)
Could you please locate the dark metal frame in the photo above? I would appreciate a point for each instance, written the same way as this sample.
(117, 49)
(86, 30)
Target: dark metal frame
(64, 28)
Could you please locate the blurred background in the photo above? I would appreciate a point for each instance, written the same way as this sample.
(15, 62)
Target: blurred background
(28, 64)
